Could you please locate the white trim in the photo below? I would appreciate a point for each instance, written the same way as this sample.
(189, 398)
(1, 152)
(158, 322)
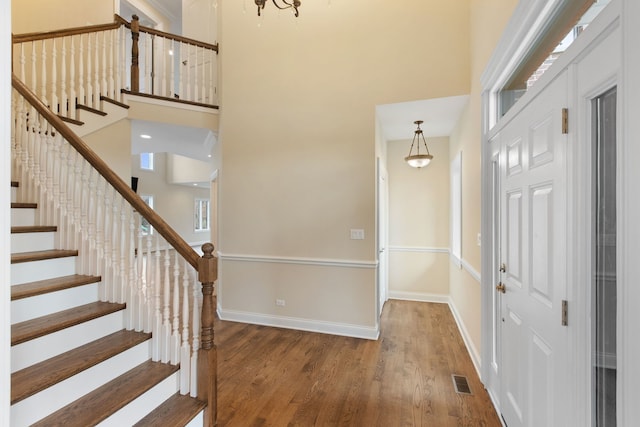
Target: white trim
(129, 97)
(298, 260)
(419, 296)
(468, 342)
(418, 249)
(472, 271)
(324, 327)
(5, 211)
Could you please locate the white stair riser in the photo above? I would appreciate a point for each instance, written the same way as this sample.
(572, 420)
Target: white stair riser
(42, 305)
(38, 406)
(197, 421)
(14, 194)
(23, 216)
(26, 242)
(141, 406)
(43, 348)
(39, 270)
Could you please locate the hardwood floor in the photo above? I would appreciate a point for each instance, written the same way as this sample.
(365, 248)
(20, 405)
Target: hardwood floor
(279, 377)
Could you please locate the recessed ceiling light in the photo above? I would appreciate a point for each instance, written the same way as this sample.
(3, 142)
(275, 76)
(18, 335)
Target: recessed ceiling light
(195, 183)
(145, 136)
(209, 155)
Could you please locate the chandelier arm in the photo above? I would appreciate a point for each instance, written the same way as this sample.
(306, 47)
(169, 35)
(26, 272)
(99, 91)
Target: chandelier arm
(288, 6)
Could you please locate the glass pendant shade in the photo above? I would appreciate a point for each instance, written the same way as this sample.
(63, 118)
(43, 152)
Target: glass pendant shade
(417, 160)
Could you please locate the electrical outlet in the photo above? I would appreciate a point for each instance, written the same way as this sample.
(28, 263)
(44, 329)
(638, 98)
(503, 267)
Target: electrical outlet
(357, 234)
(280, 302)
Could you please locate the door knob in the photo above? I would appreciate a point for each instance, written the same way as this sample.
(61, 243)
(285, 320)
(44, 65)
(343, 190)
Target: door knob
(500, 287)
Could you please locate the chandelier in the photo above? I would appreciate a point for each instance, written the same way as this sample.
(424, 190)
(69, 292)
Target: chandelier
(418, 160)
(288, 4)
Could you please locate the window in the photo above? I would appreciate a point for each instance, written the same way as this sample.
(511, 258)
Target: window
(146, 161)
(145, 227)
(202, 215)
(456, 209)
(567, 25)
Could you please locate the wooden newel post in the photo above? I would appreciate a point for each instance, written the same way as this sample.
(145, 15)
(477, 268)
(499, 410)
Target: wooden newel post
(207, 355)
(135, 70)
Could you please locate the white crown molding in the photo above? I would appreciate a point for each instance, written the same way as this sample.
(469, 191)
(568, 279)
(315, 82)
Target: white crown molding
(332, 328)
(297, 260)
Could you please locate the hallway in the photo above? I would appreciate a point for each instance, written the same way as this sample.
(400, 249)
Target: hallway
(279, 377)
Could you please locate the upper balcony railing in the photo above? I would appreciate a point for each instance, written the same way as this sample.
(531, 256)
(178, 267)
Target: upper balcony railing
(74, 66)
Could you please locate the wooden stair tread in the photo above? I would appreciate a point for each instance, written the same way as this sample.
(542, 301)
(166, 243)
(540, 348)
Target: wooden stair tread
(113, 101)
(35, 378)
(90, 109)
(21, 205)
(70, 120)
(177, 411)
(26, 290)
(42, 255)
(35, 328)
(98, 405)
(33, 229)
(15, 184)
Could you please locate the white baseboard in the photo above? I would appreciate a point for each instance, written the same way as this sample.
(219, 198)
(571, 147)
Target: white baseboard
(343, 329)
(473, 351)
(419, 296)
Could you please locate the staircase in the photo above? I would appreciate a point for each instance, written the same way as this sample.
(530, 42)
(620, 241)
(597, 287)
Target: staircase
(73, 361)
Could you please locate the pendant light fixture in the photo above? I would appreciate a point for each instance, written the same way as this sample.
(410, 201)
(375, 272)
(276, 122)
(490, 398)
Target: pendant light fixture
(288, 4)
(418, 160)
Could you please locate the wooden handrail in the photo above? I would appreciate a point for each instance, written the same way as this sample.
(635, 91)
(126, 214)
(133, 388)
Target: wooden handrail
(27, 37)
(169, 36)
(169, 234)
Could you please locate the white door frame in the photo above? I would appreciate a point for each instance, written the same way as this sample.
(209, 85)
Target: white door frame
(528, 20)
(382, 243)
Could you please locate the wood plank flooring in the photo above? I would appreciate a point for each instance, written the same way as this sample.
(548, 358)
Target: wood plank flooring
(279, 377)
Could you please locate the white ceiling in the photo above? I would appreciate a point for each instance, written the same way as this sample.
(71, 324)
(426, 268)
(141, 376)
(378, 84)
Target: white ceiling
(195, 143)
(440, 116)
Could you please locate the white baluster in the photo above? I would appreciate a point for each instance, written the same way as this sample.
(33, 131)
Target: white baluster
(111, 83)
(72, 78)
(196, 337)
(203, 86)
(149, 286)
(123, 62)
(96, 75)
(131, 278)
(196, 66)
(43, 95)
(116, 235)
(157, 305)
(164, 67)
(139, 283)
(125, 209)
(181, 72)
(64, 98)
(83, 83)
(34, 64)
(166, 324)
(185, 349)
(187, 70)
(155, 65)
(175, 334)
(89, 85)
(148, 86)
(212, 83)
(54, 78)
(104, 85)
(23, 61)
(172, 57)
(100, 224)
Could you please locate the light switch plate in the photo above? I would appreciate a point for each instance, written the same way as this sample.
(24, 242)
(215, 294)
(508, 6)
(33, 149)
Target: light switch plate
(357, 234)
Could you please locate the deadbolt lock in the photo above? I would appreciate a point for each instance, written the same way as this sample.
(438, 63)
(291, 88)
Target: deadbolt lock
(500, 287)
(503, 268)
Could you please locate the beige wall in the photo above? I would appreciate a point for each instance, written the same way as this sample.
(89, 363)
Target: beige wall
(487, 21)
(298, 131)
(113, 145)
(173, 202)
(45, 15)
(418, 222)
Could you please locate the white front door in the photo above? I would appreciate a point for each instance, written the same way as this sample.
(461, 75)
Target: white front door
(533, 257)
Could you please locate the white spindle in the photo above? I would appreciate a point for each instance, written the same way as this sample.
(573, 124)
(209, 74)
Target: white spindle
(139, 284)
(23, 72)
(83, 83)
(203, 86)
(187, 71)
(157, 306)
(166, 312)
(181, 72)
(122, 74)
(106, 246)
(101, 185)
(164, 67)
(196, 81)
(212, 84)
(147, 64)
(196, 337)
(43, 95)
(175, 334)
(72, 77)
(155, 61)
(64, 98)
(125, 209)
(172, 58)
(111, 82)
(89, 86)
(185, 349)
(131, 278)
(104, 85)
(116, 234)
(34, 64)
(95, 101)
(54, 78)
(149, 286)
